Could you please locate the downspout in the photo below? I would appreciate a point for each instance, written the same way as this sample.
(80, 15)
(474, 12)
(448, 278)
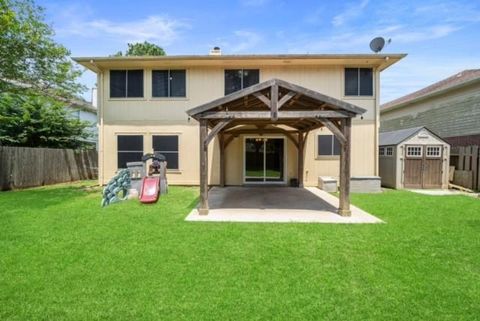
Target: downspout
(377, 118)
(101, 140)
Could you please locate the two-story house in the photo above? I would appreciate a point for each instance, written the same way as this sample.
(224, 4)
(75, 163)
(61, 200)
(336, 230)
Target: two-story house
(143, 104)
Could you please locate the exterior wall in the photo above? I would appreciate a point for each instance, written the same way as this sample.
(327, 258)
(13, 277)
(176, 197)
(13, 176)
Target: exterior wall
(388, 168)
(90, 117)
(423, 138)
(149, 116)
(452, 114)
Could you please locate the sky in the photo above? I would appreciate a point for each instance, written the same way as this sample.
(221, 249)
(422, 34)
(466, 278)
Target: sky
(441, 37)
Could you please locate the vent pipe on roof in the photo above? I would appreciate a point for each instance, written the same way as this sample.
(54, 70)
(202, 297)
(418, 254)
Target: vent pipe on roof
(215, 51)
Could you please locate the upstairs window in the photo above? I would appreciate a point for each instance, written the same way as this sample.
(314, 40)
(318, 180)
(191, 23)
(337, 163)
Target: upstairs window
(328, 145)
(238, 79)
(358, 82)
(129, 149)
(167, 145)
(126, 83)
(169, 83)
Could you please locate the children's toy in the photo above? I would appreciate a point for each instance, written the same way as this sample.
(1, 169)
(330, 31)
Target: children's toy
(150, 186)
(117, 189)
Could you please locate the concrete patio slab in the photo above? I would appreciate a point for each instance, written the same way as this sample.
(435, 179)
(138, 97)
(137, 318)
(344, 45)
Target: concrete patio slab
(277, 205)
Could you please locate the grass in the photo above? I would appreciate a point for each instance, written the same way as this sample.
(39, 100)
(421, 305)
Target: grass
(62, 257)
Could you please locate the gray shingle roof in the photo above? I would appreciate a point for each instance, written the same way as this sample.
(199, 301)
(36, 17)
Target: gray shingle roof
(397, 136)
(460, 78)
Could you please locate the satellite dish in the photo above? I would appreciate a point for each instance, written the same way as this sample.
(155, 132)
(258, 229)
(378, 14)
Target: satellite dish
(377, 44)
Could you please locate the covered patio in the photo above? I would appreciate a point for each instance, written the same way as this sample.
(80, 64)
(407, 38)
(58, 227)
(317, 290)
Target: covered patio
(275, 107)
(273, 204)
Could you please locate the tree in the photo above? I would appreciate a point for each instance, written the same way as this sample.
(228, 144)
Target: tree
(37, 121)
(30, 61)
(142, 49)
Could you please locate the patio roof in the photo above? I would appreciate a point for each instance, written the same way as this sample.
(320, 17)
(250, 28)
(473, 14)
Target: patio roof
(276, 106)
(275, 102)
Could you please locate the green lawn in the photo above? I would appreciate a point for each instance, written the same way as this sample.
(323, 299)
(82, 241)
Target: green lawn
(62, 257)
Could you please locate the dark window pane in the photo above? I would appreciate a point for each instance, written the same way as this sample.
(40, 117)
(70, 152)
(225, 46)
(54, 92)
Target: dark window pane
(172, 160)
(130, 143)
(177, 83)
(336, 146)
(351, 81)
(118, 83)
(324, 145)
(135, 83)
(127, 157)
(366, 82)
(160, 83)
(250, 77)
(233, 81)
(165, 143)
(167, 146)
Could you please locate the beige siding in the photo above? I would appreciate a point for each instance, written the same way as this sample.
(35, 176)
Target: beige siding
(148, 116)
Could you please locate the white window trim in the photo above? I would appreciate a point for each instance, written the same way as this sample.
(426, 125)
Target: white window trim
(387, 150)
(414, 146)
(439, 148)
(110, 98)
(381, 151)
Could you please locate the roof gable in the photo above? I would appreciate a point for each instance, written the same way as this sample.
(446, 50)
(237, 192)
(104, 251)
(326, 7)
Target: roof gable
(398, 136)
(299, 98)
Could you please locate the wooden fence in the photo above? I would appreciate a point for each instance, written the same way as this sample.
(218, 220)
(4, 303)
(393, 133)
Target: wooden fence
(22, 167)
(466, 160)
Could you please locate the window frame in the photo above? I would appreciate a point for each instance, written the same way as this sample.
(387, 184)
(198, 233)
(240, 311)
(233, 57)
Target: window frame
(117, 135)
(407, 154)
(143, 97)
(358, 96)
(439, 147)
(178, 135)
(332, 155)
(389, 151)
(241, 79)
(169, 97)
(381, 151)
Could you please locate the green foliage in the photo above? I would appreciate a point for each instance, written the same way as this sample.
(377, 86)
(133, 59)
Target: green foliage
(36, 121)
(142, 49)
(30, 60)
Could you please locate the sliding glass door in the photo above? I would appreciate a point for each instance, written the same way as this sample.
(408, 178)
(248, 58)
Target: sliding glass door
(264, 160)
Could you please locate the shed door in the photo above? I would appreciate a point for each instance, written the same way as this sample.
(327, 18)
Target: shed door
(423, 166)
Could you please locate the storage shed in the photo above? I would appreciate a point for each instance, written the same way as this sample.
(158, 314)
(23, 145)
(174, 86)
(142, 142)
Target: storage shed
(413, 158)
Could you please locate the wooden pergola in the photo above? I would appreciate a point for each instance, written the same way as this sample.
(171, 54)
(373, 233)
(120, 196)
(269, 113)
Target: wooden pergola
(275, 107)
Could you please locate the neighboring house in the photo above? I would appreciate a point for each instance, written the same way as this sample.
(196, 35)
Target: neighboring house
(293, 99)
(85, 111)
(450, 108)
(413, 158)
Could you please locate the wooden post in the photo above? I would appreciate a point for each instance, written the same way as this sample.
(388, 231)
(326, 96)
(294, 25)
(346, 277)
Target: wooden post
(344, 202)
(221, 142)
(203, 206)
(300, 161)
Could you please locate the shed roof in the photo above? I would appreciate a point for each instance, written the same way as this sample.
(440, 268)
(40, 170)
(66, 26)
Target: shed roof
(397, 136)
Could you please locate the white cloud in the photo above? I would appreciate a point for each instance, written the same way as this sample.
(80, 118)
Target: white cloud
(161, 29)
(353, 11)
